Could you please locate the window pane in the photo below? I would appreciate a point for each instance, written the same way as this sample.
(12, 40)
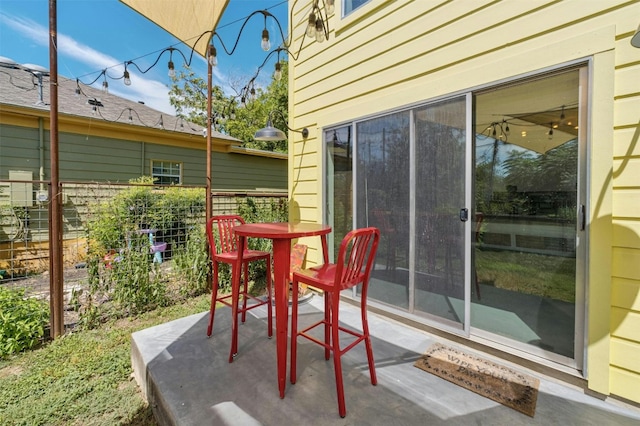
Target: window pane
(351, 5)
(165, 172)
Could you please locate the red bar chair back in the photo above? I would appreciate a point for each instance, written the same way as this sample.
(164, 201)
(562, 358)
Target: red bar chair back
(355, 262)
(223, 248)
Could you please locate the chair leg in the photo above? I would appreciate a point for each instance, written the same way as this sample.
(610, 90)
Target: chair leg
(245, 287)
(327, 324)
(367, 344)
(337, 361)
(214, 298)
(294, 335)
(269, 299)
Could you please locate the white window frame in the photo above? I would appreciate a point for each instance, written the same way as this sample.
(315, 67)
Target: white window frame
(166, 166)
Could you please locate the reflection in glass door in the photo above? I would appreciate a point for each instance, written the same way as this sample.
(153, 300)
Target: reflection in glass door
(440, 212)
(410, 183)
(526, 202)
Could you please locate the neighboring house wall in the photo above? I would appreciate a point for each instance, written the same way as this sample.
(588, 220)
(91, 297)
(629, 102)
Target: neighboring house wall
(98, 158)
(390, 54)
(117, 140)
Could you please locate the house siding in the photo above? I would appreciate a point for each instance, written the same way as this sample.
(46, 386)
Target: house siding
(390, 54)
(98, 158)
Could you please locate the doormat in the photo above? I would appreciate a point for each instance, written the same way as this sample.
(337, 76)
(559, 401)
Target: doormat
(497, 382)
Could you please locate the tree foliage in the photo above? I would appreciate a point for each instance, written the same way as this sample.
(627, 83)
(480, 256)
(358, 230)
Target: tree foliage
(188, 94)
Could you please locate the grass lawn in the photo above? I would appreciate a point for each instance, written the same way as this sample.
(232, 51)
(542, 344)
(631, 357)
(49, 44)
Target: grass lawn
(546, 276)
(83, 378)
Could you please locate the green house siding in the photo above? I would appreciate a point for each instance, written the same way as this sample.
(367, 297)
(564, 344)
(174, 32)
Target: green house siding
(95, 158)
(18, 150)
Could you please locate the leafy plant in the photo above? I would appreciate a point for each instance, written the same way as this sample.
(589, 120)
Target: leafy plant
(120, 264)
(274, 211)
(22, 321)
(192, 262)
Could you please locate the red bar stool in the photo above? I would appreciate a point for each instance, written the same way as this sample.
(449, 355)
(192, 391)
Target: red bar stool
(223, 248)
(353, 267)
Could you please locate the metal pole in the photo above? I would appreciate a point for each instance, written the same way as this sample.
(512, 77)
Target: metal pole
(56, 284)
(208, 204)
(209, 131)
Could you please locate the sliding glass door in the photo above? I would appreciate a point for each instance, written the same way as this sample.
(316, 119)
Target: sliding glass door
(480, 202)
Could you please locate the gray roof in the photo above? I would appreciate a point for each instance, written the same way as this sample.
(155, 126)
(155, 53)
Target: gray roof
(27, 87)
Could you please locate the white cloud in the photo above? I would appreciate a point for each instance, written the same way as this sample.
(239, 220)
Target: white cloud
(154, 93)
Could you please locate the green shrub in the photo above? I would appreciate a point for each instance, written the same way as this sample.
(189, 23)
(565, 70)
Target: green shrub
(22, 321)
(192, 263)
(119, 262)
(274, 211)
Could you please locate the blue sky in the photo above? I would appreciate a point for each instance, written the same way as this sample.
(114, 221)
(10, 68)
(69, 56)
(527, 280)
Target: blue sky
(94, 35)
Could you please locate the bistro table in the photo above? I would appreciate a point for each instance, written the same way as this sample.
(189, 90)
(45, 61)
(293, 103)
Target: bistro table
(281, 234)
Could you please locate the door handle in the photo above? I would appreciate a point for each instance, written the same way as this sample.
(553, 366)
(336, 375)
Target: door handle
(464, 214)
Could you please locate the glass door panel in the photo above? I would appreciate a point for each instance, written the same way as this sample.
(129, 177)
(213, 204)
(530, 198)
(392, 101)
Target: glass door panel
(338, 185)
(382, 200)
(526, 196)
(440, 145)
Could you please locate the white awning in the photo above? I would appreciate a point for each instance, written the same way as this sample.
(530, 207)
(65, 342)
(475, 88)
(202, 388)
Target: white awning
(187, 20)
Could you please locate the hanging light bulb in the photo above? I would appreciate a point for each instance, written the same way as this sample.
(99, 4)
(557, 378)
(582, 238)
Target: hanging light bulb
(94, 110)
(105, 86)
(506, 127)
(130, 119)
(172, 70)
(213, 56)
(277, 74)
(161, 123)
(331, 6)
(266, 44)
(319, 30)
(311, 27)
(127, 78)
(78, 91)
(550, 133)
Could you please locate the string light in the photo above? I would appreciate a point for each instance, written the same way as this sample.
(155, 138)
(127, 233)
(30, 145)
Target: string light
(277, 74)
(126, 76)
(172, 70)
(330, 5)
(320, 33)
(265, 44)
(213, 55)
(105, 83)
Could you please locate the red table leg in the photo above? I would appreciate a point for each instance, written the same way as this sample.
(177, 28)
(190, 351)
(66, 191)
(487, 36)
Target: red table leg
(281, 259)
(236, 272)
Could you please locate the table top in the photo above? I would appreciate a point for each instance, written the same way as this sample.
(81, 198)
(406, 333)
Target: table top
(280, 230)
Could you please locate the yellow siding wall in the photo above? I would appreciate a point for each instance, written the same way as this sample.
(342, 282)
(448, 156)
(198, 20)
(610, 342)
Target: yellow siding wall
(390, 54)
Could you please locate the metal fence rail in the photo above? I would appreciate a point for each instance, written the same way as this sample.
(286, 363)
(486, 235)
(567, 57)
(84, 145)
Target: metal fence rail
(24, 225)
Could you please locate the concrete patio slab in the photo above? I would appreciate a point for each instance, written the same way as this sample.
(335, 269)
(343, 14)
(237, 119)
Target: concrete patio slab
(188, 380)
